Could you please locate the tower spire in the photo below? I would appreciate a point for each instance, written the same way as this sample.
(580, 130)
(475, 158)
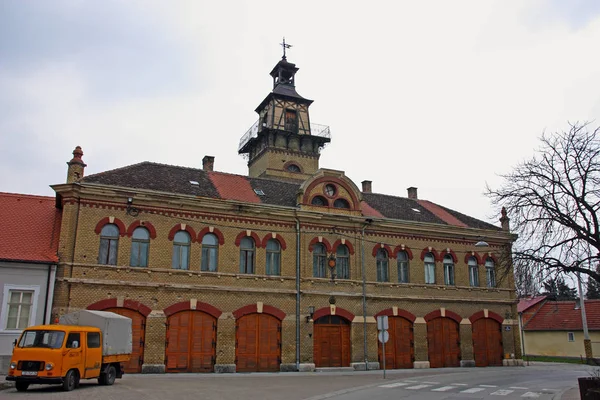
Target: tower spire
(285, 46)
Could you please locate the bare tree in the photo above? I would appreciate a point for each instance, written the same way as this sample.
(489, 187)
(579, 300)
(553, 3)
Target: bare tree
(553, 201)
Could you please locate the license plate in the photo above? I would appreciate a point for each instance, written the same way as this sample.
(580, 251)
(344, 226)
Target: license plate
(29, 373)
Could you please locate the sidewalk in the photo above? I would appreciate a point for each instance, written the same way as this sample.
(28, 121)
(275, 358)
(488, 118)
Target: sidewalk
(571, 394)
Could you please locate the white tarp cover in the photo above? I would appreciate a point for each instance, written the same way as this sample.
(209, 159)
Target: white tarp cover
(116, 329)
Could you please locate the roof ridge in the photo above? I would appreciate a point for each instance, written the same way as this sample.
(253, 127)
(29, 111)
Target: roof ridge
(36, 196)
(138, 164)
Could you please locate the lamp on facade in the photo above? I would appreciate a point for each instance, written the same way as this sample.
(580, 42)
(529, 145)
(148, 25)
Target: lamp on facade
(311, 312)
(481, 243)
(131, 210)
(331, 262)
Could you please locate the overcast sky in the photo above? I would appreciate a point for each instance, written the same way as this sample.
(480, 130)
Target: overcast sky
(441, 95)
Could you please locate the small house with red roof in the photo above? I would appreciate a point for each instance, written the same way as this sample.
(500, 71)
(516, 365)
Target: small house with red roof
(29, 236)
(555, 328)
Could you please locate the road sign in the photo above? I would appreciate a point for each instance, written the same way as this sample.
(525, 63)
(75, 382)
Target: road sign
(383, 336)
(382, 323)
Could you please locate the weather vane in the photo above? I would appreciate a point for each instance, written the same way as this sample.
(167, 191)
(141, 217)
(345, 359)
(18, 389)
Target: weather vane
(285, 46)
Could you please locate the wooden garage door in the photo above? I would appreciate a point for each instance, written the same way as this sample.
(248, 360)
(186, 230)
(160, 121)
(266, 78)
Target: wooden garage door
(399, 350)
(191, 342)
(443, 342)
(331, 342)
(258, 343)
(138, 327)
(487, 342)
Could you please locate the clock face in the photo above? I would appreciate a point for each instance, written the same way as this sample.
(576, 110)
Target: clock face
(330, 190)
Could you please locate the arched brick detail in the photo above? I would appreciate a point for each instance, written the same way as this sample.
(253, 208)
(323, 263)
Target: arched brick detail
(182, 227)
(480, 314)
(489, 255)
(279, 238)
(253, 309)
(116, 221)
(127, 303)
(186, 305)
(253, 235)
(354, 201)
(444, 252)
(143, 224)
(315, 241)
(386, 247)
(438, 313)
(472, 254)
(347, 243)
(436, 255)
(321, 312)
(401, 313)
(215, 232)
(407, 249)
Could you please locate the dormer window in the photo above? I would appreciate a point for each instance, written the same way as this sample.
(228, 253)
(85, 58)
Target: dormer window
(319, 201)
(341, 203)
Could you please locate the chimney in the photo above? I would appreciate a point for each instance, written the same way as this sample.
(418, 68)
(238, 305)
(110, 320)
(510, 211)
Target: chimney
(412, 193)
(76, 166)
(208, 163)
(366, 186)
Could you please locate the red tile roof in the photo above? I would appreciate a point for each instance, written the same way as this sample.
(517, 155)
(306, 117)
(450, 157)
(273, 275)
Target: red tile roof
(369, 211)
(525, 304)
(233, 187)
(562, 316)
(442, 214)
(29, 228)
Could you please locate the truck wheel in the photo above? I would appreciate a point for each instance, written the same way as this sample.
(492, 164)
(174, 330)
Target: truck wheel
(70, 381)
(21, 386)
(111, 375)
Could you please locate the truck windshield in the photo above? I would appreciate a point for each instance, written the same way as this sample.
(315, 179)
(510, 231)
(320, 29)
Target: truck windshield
(45, 339)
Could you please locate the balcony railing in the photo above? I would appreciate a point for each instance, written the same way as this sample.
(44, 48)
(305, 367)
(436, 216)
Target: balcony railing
(315, 130)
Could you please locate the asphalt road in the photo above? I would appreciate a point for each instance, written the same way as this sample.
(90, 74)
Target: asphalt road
(540, 381)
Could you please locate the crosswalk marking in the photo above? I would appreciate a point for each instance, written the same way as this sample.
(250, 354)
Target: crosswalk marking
(472, 390)
(459, 384)
(418, 387)
(393, 385)
(432, 383)
(518, 388)
(531, 394)
(488, 386)
(502, 392)
(443, 388)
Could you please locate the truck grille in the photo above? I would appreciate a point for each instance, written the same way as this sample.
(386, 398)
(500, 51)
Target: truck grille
(30, 365)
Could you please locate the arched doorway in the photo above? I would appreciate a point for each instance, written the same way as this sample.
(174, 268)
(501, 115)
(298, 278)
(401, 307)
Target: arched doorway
(191, 342)
(399, 350)
(258, 343)
(487, 342)
(444, 343)
(138, 332)
(331, 340)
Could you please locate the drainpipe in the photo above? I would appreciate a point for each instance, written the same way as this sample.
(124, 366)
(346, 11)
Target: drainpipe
(364, 293)
(73, 252)
(49, 293)
(297, 294)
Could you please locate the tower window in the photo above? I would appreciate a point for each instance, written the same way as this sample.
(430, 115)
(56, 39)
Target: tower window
(293, 168)
(341, 203)
(291, 121)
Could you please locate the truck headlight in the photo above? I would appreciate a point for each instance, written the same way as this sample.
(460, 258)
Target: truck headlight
(49, 366)
(13, 365)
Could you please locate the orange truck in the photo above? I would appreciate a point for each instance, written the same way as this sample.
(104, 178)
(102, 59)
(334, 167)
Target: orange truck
(84, 345)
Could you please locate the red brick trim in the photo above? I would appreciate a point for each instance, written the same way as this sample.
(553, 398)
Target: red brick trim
(253, 309)
(407, 249)
(179, 227)
(444, 252)
(479, 315)
(315, 241)
(321, 312)
(472, 254)
(438, 314)
(186, 306)
(215, 232)
(106, 221)
(387, 248)
(436, 255)
(347, 243)
(488, 255)
(279, 238)
(253, 235)
(401, 313)
(129, 304)
(354, 203)
(144, 224)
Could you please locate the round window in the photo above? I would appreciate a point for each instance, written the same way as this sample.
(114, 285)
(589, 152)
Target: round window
(330, 190)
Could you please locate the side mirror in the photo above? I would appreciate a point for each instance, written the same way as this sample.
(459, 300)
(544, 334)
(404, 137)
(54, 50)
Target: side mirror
(75, 344)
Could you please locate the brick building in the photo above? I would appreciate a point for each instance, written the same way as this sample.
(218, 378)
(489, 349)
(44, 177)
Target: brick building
(283, 269)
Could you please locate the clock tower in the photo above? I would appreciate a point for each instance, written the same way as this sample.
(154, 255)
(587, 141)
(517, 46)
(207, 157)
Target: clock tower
(283, 143)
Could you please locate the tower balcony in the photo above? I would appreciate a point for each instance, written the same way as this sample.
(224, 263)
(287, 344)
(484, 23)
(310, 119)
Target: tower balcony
(252, 133)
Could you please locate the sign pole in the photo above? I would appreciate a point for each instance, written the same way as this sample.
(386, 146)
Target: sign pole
(383, 350)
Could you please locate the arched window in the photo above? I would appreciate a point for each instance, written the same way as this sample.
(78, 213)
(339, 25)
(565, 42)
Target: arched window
(319, 261)
(403, 267)
(273, 257)
(247, 255)
(490, 272)
(382, 266)
(319, 201)
(341, 203)
(342, 266)
(293, 168)
(140, 243)
(429, 261)
(448, 270)
(210, 251)
(473, 272)
(181, 250)
(109, 244)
